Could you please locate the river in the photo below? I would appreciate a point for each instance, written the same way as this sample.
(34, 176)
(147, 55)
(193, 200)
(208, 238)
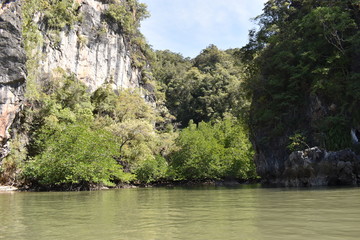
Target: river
(246, 212)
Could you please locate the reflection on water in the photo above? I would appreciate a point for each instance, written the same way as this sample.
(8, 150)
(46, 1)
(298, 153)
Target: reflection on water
(183, 213)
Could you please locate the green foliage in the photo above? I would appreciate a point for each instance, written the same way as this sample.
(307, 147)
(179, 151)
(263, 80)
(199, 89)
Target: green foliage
(297, 142)
(64, 101)
(151, 170)
(55, 14)
(80, 139)
(212, 151)
(168, 67)
(209, 86)
(335, 132)
(127, 14)
(103, 100)
(131, 121)
(128, 105)
(11, 166)
(119, 14)
(65, 149)
(59, 14)
(77, 154)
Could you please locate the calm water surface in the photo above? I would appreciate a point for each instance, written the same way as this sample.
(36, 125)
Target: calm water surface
(182, 213)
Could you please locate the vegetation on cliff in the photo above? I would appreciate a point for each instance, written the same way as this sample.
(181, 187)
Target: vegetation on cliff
(127, 15)
(304, 72)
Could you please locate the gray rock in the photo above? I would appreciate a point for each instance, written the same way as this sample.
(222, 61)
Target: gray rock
(12, 68)
(317, 167)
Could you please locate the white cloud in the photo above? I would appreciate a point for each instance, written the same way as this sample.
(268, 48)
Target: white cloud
(188, 26)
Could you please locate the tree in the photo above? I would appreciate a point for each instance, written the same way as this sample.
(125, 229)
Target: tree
(212, 151)
(131, 122)
(127, 14)
(78, 155)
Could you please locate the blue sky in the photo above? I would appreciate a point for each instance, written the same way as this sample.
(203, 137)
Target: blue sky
(188, 26)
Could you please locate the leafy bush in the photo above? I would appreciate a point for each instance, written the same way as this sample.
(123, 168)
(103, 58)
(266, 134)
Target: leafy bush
(131, 121)
(211, 151)
(127, 14)
(11, 166)
(152, 169)
(335, 131)
(297, 142)
(78, 154)
(58, 14)
(66, 148)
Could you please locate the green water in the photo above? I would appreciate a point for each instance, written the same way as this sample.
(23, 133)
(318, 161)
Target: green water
(182, 213)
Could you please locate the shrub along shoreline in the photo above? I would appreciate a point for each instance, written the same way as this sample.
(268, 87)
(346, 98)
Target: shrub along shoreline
(158, 184)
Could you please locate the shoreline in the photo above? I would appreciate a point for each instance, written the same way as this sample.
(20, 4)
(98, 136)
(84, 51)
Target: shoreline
(184, 183)
(162, 184)
(8, 188)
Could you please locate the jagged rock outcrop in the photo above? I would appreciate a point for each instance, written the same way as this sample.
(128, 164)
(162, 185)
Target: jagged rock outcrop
(317, 167)
(12, 68)
(92, 49)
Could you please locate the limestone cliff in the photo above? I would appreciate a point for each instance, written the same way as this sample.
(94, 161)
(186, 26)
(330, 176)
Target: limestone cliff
(12, 68)
(92, 49)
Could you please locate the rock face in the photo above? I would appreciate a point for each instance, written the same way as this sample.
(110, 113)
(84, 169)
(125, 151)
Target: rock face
(272, 155)
(92, 50)
(316, 167)
(12, 68)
